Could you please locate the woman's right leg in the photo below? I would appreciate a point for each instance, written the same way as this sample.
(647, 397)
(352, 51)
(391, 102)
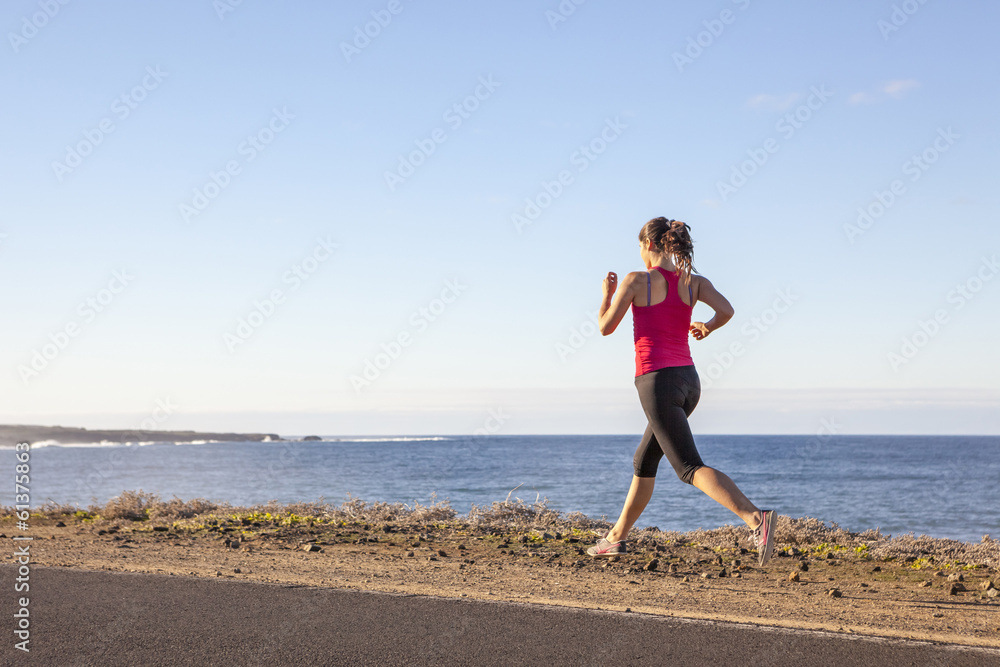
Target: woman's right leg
(668, 398)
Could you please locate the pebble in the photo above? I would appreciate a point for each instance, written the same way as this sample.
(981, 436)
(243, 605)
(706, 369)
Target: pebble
(441, 552)
(706, 575)
(409, 554)
(311, 547)
(877, 568)
(672, 568)
(988, 585)
(652, 565)
(804, 566)
(958, 576)
(723, 573)
(60, 524)
(992, 593)
(237, 570)
(835, 593)
(925, 584)
(685, 579)
(940, 573)
(956, 588)
(794, 576)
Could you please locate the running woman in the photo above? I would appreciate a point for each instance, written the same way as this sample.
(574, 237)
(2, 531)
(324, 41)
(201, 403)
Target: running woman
(662, 299)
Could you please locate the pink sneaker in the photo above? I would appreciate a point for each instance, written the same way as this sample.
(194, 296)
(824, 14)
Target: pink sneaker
(605, 549)
(763, 537)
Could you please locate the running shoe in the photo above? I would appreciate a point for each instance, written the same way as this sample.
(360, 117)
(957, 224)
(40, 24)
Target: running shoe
(605, 549)
(763, 537)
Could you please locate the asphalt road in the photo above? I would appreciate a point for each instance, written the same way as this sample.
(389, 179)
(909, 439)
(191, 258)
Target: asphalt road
(83, 617)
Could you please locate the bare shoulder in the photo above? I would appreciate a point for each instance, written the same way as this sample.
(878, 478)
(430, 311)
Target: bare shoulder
(632, 281)
(700, 285)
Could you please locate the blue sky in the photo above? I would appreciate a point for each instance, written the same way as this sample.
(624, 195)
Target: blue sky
(237, 208)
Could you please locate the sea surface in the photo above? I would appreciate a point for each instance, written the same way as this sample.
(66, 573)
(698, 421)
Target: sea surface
(942, 486)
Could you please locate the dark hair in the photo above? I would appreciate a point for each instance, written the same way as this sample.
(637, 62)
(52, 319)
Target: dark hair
(672, 237)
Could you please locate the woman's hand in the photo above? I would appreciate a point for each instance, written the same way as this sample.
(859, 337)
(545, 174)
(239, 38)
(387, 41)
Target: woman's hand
(610, 284)
(699, 330)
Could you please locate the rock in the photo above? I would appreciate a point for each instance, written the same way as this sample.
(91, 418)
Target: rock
(956, 588)
(672, 568)
(939, 615)
(431, 558)
(60, 524)
(237, 570)
(992, 593)
(523, 539)
(410, 554)
(987, 585)
(940, 573)
(311, 547)
(877, 568)
(685, 579)
(652, 565)
(835, 593)
(804, 566)
(312, 438)
(957, 576)
(441, 552)
(615, 559)
(161, 529)
(706, 575)
(218, 573)
(794, 576)
(723, 573)
(925, 584)
(718, 560)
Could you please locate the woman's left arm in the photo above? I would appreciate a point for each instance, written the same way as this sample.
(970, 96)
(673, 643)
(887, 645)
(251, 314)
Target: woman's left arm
(616, 301)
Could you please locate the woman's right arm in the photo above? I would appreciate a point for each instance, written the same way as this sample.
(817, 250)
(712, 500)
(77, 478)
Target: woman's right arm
(707, 294)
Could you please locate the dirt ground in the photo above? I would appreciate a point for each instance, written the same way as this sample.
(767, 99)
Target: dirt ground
(817, 587)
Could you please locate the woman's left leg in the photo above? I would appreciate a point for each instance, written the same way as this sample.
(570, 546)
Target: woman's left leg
(638, 497)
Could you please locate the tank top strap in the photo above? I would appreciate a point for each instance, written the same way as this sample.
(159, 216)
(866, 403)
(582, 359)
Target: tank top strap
(649, 289)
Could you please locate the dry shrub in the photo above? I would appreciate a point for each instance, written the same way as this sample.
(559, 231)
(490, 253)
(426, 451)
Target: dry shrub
(175, 508)
(130, 506)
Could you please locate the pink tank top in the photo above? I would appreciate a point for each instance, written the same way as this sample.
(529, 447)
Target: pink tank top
(661, 330)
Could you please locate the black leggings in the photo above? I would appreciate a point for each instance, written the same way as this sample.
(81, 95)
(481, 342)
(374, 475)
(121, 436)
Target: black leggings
(668, 396)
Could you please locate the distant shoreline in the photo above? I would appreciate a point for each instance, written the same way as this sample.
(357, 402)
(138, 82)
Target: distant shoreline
(10, 435)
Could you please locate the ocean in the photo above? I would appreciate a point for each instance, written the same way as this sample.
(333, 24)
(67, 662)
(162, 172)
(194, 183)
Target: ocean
(942, 486)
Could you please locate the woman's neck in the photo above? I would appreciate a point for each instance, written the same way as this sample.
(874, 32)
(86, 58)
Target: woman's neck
(663, 261)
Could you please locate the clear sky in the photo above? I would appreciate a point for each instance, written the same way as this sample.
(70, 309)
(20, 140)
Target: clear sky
(390, 216)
